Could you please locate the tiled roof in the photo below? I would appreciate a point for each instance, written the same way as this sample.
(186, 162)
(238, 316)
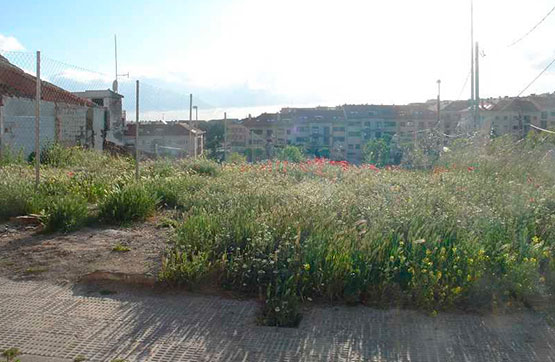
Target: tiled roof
(457, 106)
(360, 111)
(314, 115)
(515, 105)
(14, 82)
(264, 120)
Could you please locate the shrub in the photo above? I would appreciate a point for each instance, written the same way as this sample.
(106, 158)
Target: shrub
(236, 158)
(291, 154)
(127, 203)
(67, 213)
(15, 194)
(281, 308)
(201, 166)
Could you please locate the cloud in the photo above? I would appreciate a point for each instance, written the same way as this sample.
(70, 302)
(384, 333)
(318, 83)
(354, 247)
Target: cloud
(9, 43)
(84, 76)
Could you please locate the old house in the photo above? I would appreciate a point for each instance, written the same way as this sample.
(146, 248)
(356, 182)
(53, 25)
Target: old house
(175, 138)
(64, 117)
(115, 120)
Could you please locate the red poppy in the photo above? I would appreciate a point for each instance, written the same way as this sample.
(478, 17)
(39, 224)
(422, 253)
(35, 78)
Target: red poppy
(470, 168)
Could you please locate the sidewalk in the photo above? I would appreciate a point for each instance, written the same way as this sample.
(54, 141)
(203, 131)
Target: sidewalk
(45, 320)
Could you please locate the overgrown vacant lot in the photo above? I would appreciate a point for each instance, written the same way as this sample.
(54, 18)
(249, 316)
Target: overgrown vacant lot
(477, 230)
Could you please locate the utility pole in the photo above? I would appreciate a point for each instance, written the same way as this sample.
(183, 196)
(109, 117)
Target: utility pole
(137, 132)
(472, 53)
(438, 100)
(191, 124)
(225, 136)
(477, 85)
(38, 97)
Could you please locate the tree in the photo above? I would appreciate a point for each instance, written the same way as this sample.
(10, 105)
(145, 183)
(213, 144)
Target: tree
(292, 154)
(377, 152)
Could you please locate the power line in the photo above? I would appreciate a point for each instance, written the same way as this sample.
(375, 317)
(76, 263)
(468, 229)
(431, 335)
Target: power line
(538, 76)
(464, 85)
(534, 28)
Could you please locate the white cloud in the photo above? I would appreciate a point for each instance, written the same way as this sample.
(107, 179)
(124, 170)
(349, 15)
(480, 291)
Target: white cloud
(9, 43)
(83, 76)
(360, 51)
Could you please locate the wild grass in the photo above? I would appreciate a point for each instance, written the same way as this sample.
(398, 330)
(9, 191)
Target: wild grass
(476, 230)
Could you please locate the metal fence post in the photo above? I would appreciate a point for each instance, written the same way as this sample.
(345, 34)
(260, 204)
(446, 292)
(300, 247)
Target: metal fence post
(37, 124)
(1, 129)
(137, 133)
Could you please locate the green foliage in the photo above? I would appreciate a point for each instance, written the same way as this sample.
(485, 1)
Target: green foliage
(11, 354)
(281, 308)
(200, 166)
(476, 233)
(236, 158)
(377, 152)
(11, 157)
(120, 248)
(79, 358)
(291, 154)
(124, 204)
(66, 213)
(15, 193)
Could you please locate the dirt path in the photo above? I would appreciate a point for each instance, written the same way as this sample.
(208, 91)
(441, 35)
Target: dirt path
(26, 253)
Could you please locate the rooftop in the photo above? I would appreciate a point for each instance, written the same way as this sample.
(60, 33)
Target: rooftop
(14, 82)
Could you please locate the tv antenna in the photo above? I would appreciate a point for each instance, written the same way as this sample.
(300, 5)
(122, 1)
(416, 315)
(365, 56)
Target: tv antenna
(115, 84)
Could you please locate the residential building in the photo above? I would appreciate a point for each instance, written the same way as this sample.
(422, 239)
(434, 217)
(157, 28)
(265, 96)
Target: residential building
(174, 138)
(64, 117)
(115, 120)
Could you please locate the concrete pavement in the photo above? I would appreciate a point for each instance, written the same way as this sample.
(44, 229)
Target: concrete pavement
(56, 323)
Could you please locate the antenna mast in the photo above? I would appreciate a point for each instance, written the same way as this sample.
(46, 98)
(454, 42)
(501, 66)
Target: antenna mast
(115, 85)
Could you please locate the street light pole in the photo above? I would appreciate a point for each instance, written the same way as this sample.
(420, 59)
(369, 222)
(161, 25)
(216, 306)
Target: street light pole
(438, 100)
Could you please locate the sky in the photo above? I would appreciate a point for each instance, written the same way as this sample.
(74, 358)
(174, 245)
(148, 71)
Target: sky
(250, 56)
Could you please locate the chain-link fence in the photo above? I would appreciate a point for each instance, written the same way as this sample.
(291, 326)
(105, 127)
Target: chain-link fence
(73, 106)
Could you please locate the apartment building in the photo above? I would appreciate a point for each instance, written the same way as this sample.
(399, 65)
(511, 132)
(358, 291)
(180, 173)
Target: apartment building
(341, 132)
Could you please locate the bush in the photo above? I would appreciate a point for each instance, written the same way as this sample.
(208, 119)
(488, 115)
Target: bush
(67, 213)
(281, 308)
(236, 158)
(127, 203)
(15, 194)
(201, 166)
(291, 154)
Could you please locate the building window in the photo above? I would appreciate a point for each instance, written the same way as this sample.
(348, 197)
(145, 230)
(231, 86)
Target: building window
(379, 124)
(339, 139)
(339, 129)
(354, 134)
(544, 115)
(288, 132)
(351, 147)
(98, 101)
(357, 147)
(390, 124)
(403, 124)
(367, 124)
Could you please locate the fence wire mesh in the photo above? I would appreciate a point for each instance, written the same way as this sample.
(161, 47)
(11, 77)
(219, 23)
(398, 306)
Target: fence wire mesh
(79, 107)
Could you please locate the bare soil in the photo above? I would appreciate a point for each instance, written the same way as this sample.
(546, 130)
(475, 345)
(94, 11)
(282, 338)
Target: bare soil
(28, 253)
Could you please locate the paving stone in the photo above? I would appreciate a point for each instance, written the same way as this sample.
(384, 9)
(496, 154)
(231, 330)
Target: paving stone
(52, 323)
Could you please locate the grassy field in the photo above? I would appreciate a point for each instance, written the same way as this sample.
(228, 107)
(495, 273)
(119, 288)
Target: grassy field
(477, 230)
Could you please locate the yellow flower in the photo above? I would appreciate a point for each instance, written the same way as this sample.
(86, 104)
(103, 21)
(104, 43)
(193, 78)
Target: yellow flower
(307, 267)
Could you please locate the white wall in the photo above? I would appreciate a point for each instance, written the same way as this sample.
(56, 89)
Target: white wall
(19, 122)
